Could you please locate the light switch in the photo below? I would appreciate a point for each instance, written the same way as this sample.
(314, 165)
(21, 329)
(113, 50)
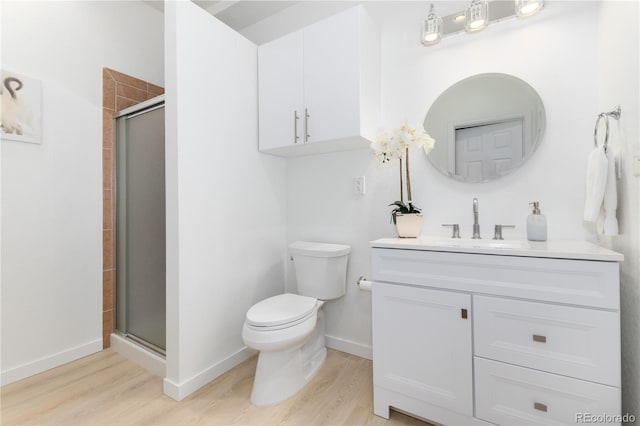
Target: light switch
(359, 185)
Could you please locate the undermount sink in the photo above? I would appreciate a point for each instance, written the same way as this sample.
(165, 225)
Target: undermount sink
(471, 243)
(579, 250)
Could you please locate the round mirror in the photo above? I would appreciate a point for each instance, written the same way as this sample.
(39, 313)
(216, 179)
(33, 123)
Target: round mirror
(485, 126)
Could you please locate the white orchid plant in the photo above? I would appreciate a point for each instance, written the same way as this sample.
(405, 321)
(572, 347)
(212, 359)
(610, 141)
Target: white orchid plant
(395, 145)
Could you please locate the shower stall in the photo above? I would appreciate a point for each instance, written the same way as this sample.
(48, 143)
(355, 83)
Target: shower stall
(140, 225)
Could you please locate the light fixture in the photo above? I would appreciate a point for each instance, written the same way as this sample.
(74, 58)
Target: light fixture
(476, 16)
(525, 8)
(432, 30)
(458, 18)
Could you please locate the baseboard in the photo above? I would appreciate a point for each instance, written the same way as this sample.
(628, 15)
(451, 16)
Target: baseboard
(48, 362)
(179, 391)
(153, 363)
(350, 347)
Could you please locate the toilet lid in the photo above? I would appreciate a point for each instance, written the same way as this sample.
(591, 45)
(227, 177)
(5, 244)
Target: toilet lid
(280, 309)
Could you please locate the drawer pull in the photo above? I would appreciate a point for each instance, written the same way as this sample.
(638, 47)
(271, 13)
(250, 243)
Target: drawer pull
(540, 406)
(541, 339)
(463, 313)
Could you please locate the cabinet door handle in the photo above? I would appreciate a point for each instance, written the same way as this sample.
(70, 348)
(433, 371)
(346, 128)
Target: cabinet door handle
(464, 314)
(306, 126)
(539, 338)
(540, 406)
(295, 126)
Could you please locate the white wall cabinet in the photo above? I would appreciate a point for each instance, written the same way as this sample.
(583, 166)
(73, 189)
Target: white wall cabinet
(319, 88)
(527, 357)
(280, 100)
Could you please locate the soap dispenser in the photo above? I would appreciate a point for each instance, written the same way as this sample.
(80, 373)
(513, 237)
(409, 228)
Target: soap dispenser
(536, 224)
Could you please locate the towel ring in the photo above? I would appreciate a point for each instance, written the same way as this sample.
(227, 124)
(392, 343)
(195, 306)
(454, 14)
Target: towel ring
(615, 114)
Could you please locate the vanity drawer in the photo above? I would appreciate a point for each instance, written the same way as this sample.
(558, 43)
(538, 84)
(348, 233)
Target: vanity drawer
(575, 342)
(510, 395)
(574, 282)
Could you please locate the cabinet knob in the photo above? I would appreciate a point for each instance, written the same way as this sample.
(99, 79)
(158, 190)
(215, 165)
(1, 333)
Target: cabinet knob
(540, 406)
(463, 313)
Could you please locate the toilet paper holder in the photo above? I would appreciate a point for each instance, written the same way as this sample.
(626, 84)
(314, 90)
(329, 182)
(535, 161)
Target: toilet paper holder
(364, 284)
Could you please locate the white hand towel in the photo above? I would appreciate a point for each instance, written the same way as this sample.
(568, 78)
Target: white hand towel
(600, 222)
(611, 198)
(596, 183)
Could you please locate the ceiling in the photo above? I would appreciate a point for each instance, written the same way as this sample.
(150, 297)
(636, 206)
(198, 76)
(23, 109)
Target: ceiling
(242, 14)
(236, 14)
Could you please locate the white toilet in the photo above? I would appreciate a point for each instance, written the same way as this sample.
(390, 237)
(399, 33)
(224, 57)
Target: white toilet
(288, 329)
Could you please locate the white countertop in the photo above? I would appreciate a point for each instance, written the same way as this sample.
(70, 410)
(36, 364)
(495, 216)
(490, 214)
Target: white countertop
(581, 250)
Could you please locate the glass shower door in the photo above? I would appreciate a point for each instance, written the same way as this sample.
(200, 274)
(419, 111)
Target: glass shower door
(140, 180)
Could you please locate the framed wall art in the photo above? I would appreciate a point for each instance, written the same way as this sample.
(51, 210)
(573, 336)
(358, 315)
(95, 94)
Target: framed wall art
(21, 112)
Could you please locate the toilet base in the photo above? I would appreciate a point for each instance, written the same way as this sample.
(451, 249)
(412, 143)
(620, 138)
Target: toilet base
(281, 374)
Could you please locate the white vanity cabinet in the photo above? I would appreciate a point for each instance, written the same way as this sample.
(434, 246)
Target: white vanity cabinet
(507, 337)
(319, 87)
(416, 355)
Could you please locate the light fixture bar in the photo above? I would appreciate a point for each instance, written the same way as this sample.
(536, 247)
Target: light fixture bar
(499, 10)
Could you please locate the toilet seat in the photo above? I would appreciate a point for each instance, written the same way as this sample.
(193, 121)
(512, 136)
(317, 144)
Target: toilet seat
(281, 311)
(280, 326)
(279, 337)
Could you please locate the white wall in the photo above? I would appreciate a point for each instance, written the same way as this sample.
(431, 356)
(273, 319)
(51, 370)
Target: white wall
(556, 61)
(581, 57)
(619, 71)
(226, 201)
(52, 193)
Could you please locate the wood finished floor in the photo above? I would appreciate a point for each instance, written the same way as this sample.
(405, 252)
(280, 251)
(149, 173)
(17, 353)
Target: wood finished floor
(107, 389)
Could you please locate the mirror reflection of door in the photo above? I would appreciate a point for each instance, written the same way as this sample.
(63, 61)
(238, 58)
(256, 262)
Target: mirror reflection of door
(497, 120)
(487, 151)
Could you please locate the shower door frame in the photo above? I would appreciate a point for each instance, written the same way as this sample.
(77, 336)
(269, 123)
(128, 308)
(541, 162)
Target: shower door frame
(120, 307)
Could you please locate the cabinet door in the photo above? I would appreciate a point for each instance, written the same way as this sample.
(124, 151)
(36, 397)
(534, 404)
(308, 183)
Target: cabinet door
(280, 92)
(331, 76)
(422, 345)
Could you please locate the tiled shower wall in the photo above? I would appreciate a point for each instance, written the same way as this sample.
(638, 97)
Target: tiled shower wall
(119, 91)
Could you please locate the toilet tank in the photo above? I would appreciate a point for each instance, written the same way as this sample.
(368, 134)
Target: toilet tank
(321, 268)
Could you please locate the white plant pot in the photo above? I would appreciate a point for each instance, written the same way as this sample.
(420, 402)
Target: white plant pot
(409, 225)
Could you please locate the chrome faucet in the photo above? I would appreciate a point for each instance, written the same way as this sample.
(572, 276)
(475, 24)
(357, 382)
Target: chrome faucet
(455, 229)
(476, 225)
(498, 231)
